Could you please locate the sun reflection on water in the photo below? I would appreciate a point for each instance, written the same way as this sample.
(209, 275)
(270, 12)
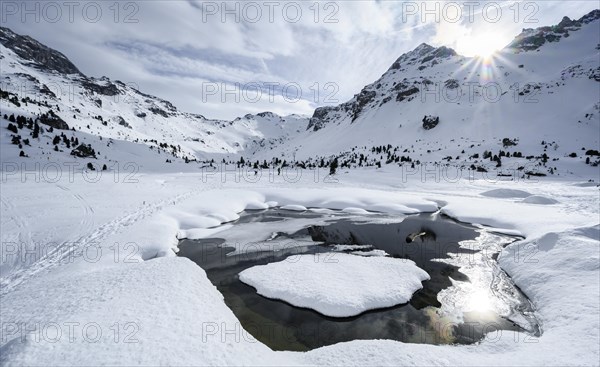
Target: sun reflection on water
(479, 301)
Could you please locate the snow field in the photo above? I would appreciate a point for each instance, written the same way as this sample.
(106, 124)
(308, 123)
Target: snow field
(168, 297)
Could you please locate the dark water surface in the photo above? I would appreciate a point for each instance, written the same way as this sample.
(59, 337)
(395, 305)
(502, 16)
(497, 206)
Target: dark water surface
(431, 241)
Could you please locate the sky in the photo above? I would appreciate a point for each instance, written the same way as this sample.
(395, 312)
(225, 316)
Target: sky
(224, 59)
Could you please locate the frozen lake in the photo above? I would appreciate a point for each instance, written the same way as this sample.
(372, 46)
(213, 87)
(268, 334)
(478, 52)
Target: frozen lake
(467, 296)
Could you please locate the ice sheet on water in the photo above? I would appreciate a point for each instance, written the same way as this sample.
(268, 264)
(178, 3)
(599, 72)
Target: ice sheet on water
(337, 284)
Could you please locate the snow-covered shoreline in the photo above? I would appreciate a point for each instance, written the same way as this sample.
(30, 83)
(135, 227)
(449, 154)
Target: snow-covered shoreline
(174, 315)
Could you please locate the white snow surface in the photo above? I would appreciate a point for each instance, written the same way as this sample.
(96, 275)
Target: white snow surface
(179, 317)
(84, 253)
(337, 284)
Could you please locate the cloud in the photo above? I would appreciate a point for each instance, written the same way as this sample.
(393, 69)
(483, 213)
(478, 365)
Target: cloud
(169, 48)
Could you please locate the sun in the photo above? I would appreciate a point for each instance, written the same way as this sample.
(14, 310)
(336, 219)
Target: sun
(483, 45)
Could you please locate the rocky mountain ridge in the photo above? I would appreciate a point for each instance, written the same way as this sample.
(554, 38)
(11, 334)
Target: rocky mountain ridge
(431, 105)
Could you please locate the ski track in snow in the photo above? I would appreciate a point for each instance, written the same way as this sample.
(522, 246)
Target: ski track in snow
(86, 235)
(14, 214)
(86, 224)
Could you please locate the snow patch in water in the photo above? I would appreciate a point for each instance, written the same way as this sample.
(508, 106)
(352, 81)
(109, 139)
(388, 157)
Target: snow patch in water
(337, 284)
(295, 208)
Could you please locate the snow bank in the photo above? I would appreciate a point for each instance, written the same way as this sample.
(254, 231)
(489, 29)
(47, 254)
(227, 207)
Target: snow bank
(352, 210)
(540, 200)
(394, 202)
(506, 193)
(159, 312)
(337, 284)
(257, 205)
(526, 219)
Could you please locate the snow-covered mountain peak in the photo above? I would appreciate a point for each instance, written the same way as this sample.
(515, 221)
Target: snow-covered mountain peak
(422, 54)
(532, 39)
(400, 83)
(432, 105)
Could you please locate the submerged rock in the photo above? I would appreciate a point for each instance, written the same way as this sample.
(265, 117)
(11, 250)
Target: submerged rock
(423, 235)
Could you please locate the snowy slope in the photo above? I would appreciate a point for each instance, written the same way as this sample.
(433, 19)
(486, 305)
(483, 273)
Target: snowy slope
(544, 86)
(40, 79)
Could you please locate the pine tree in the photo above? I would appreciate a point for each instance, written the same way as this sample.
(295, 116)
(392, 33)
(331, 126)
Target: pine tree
(36, 131)
(333, 166)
